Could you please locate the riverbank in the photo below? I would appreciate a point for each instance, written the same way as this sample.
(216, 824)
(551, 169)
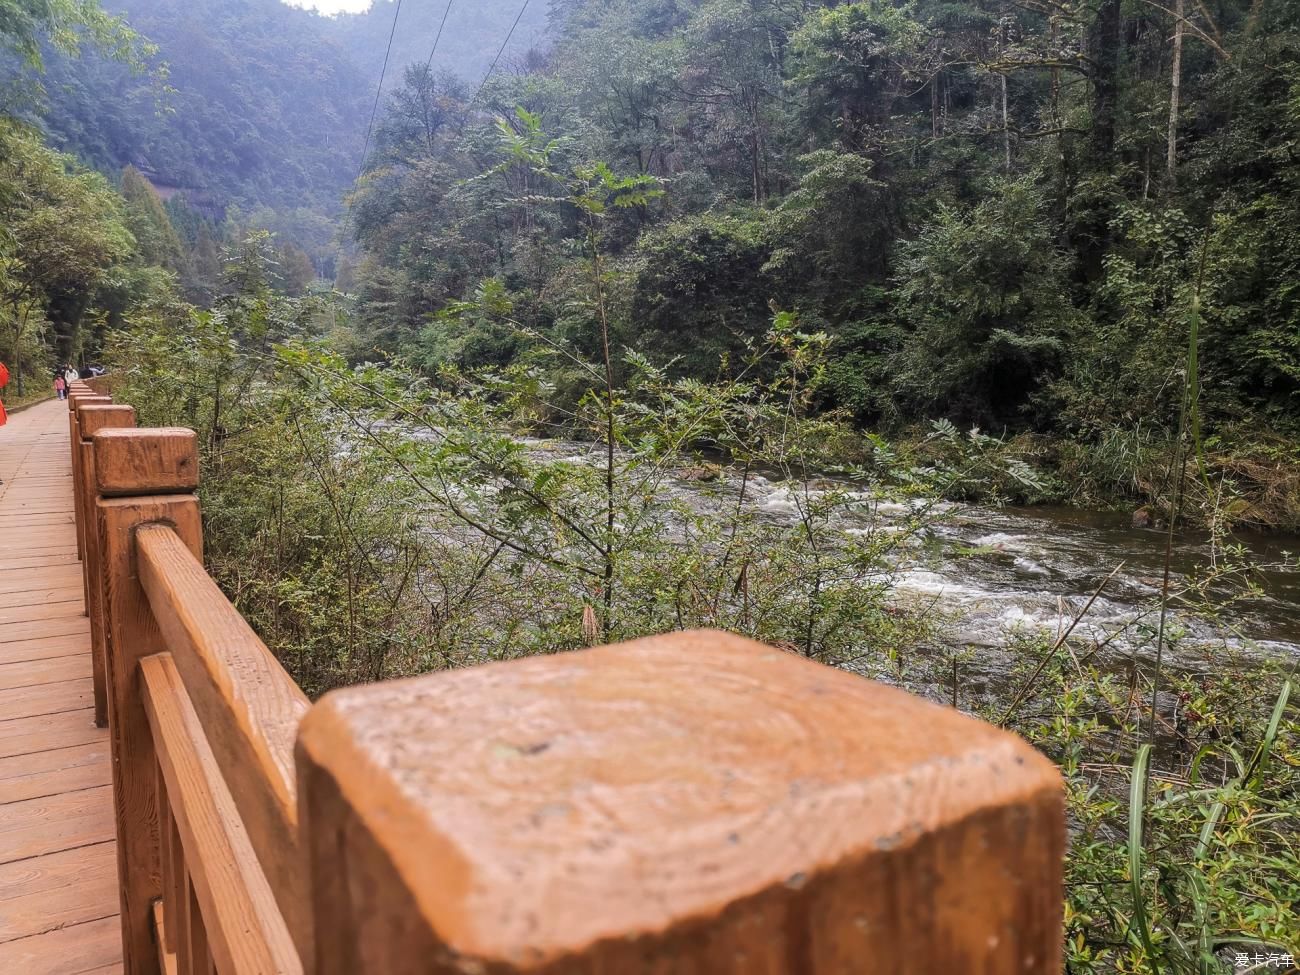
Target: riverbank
(1238, 479)
(369, 526)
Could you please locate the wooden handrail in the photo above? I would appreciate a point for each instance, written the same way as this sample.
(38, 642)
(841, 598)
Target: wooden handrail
(695, 803)
(249, 707)
(242, 924)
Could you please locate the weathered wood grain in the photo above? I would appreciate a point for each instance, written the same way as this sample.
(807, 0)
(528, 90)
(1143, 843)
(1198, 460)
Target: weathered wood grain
(58, 576)
(59, 880)
(29, 673)
(42, 699)
(245, 931)
(695, 804)
(76, 950)
(76, 398)
(63, 607)
(142, 462)
(54, 771)
(38, 596)
(41, 629)
(248, 705)
(131, 635)
(46, 893)
(23, 736)
(75, 644)
(90, 420)
(33, 827)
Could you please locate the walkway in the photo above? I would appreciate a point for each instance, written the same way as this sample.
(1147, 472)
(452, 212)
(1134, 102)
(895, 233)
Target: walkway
(58, 872)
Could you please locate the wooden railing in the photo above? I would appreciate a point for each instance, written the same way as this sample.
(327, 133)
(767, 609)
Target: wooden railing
(694, 803)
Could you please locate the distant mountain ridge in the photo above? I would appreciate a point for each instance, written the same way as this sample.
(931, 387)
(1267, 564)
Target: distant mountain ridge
(268, 104)
(471, 38)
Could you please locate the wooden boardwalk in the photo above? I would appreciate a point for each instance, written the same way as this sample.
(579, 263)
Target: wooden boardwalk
(58, 866)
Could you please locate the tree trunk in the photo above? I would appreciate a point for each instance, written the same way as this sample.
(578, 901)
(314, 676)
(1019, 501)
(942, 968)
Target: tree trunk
(1175, 85)
(1103, 44)
(17, 360)
(934, 106)
(1006, 120)
(1006, 125)
(1056, 77)
(1104, 40)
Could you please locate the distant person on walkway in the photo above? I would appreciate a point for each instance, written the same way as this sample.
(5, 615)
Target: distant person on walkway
(4, 381)
(61, 387)
(70, 375)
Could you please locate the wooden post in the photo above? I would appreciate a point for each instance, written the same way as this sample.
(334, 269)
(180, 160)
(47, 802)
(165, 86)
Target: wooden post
(83, 501)
(142, 477)
(694, 804)
(74, 439)
(90, 420)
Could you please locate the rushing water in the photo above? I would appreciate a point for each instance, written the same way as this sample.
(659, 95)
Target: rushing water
(993, 570)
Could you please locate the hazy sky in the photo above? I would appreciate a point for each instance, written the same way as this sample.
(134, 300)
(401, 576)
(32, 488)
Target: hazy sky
(331, 6)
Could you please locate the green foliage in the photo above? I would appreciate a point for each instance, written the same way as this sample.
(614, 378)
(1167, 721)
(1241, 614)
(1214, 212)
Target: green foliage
(64, 242)
(259, 106)
(852, 59)
(156, 239)
(699, 240)
(985, 293)
(67, 25)
(833, 234)
(703, 276)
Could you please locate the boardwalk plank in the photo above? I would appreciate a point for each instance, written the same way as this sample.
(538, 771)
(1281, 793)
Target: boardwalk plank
(65, 608)
(54, 646)
(58, 858)
(32, 827)
(50, 892)
(40, 595)
(22, 736)
(57, 770)
(76, 950)
(52, 578)
(30, 673)
(30, 702)
(14, 632)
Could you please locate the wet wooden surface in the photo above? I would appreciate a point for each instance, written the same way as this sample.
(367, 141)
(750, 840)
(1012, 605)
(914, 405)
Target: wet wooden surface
(58, 867)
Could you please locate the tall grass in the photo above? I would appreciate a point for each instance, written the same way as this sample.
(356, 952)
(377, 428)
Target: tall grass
(1163, 942)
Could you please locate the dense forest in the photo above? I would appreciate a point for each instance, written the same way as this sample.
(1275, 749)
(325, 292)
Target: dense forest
(789, 317)
(999, 215)
(255, 110)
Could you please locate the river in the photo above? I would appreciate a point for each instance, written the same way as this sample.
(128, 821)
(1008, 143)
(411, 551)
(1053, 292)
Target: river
(994, 570)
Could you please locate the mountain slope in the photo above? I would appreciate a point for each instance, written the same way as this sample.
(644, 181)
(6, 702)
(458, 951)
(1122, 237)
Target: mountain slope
(471, 38)
(265, 109)
(268, 104)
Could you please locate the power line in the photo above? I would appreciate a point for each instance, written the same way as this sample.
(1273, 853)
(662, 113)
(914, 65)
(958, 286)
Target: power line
(500, 52)
(438, 37)
(379, 91)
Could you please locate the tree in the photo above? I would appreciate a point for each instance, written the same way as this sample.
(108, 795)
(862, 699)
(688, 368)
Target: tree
(854, 62)
(984, 293)
(64, 233)
(295, 272)
(345, 278)
(156, 239)
(66, 24)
